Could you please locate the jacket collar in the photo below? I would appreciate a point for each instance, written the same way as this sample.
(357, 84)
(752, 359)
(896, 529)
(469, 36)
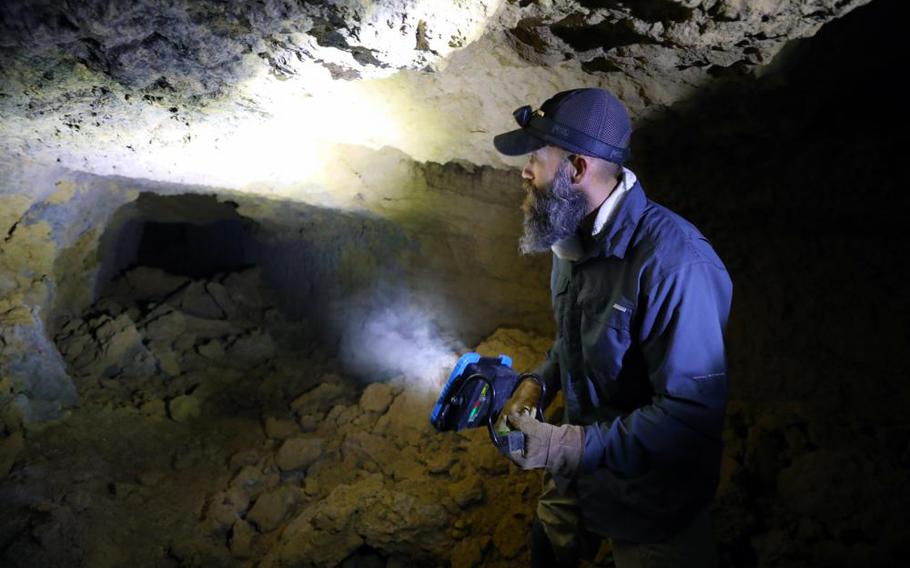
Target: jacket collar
(615, 237)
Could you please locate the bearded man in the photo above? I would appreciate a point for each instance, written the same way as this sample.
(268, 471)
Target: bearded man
(641, 301)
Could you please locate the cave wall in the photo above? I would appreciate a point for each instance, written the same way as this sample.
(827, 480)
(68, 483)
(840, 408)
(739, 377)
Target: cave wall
(203, 93)
(793, 175)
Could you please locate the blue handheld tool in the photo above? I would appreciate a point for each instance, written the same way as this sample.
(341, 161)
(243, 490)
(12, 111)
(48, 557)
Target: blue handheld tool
(475, 394)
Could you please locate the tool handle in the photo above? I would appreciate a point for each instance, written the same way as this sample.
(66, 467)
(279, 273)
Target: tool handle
(511, 441)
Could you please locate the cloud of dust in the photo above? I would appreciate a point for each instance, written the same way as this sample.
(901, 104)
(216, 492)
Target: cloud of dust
(399, 339)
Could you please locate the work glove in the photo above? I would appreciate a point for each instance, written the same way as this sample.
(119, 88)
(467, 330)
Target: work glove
(558, 449)
(525, 397)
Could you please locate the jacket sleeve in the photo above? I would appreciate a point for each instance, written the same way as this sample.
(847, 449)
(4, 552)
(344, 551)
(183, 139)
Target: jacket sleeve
(682, 340)
(548, 371)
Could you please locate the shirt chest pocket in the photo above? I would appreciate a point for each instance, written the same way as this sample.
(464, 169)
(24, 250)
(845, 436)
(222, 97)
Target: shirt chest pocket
(606, 333)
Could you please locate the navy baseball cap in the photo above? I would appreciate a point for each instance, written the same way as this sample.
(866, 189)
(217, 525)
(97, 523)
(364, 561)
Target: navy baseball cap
(588, 121)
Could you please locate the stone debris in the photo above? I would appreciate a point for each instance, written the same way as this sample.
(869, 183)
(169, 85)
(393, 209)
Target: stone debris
(153, 408)
(322, 398)
(105, 346)
(469, 552)
(510, 535)
(251, 349)
(146, 284)
(159, 324)
(334, 473)
(252, 480)
(211, 349)
(467, 492)
(196, 300)
(164, 324)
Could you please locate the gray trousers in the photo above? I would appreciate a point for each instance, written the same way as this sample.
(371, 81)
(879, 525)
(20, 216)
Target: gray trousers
(693, 547)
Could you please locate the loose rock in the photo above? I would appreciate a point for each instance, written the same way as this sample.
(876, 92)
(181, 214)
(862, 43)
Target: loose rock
(299, 453)
(271, 508)
(183, 408)
(376, 398)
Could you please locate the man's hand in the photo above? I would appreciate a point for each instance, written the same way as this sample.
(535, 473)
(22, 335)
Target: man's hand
(556, 448)
(525, 397)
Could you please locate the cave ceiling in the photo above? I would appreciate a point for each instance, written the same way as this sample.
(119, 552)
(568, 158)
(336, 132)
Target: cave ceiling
(266, 93)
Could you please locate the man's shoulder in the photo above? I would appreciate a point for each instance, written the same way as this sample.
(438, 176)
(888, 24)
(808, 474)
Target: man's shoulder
(667, 241)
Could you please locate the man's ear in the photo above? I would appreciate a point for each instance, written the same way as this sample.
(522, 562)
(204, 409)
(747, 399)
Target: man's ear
(581, 166)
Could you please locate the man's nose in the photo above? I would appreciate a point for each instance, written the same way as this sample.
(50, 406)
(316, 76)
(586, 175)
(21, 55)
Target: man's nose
(526, 171)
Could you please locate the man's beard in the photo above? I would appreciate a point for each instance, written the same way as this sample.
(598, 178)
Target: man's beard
(553, 214)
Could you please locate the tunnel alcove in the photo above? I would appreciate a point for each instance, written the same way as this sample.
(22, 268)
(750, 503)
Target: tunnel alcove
(324, 270)
(188, 235)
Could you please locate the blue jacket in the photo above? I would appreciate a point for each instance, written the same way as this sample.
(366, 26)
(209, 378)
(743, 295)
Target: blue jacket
(639, 355)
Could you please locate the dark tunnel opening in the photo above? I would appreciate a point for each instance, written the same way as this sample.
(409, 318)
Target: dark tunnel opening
(191, 235)
(196, 251)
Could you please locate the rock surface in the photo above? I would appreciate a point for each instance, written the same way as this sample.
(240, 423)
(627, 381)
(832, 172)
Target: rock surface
(158, 86)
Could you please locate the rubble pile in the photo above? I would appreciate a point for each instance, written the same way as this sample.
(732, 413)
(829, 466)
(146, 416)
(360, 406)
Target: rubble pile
(154, 323)
(211, 431)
